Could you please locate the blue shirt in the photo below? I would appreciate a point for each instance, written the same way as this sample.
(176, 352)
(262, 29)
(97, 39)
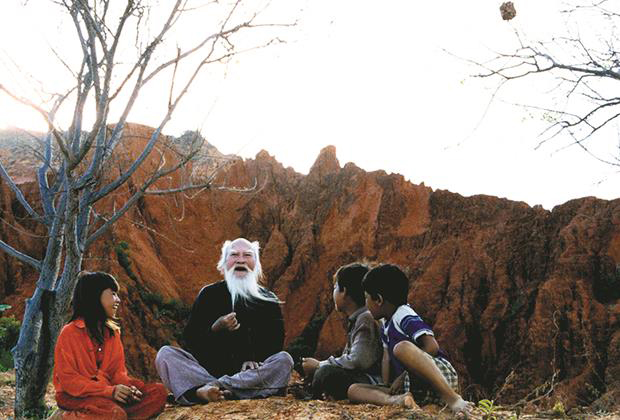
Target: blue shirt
(405, 324)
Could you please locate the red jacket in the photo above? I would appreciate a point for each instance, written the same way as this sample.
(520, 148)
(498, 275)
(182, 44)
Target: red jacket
(75, 365)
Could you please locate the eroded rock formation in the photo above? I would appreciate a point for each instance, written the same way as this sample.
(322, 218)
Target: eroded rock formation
(520, 297)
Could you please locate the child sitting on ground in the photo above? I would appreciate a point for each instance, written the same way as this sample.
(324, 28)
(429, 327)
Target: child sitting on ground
(361, 357)
(90, 377)
(410, 351)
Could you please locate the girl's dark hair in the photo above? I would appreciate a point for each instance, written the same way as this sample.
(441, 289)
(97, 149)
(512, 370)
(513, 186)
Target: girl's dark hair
(350, 278)
(389, 281)
(87, 303)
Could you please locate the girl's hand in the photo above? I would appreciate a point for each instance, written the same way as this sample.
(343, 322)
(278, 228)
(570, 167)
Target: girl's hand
(122, 393)
(136, 394)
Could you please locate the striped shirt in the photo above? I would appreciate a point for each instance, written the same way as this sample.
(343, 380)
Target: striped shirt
(405, 324)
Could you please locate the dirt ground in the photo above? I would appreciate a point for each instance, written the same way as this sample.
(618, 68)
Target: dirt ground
(289, 408)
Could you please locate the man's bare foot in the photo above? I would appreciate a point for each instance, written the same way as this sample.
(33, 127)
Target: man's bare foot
(210, 393)
(404, 400)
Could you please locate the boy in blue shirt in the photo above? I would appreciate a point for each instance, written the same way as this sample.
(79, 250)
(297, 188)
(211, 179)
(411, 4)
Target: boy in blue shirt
(409, 347)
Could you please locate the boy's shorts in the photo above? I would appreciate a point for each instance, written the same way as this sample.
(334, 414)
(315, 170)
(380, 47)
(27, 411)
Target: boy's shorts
(334, 381)
(422, 391)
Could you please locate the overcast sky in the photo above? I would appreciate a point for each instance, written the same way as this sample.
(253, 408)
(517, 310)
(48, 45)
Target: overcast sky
(373, 78)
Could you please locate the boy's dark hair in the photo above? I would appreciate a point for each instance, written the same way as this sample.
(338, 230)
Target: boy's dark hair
(389, 281)
(350, 278)
(87, 302)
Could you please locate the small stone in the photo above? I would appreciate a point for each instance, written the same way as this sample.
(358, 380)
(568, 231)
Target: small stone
(507, 10)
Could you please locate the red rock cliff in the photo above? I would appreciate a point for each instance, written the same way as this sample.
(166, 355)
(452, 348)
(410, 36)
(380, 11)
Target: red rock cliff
(518, 296)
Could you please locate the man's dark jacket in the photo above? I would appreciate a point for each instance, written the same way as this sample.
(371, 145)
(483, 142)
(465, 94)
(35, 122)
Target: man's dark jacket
(260, 335)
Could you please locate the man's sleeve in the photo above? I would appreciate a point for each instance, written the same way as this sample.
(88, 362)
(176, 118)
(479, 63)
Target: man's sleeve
(197, 333)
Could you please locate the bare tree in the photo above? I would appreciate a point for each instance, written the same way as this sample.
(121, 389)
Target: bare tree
(583, 65)
(70, 189)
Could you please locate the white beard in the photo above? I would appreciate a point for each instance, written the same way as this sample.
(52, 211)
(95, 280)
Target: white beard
(244, 285)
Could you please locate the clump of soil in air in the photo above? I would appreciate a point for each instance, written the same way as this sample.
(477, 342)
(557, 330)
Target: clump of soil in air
(507, 10)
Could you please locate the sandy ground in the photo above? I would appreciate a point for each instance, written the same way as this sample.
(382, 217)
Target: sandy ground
(285, 408)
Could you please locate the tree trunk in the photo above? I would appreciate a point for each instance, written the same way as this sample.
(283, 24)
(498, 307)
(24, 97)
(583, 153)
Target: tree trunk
(31, 354)
(46, 313)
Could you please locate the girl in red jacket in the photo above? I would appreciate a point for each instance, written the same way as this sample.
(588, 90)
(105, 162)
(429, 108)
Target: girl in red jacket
(90, 377)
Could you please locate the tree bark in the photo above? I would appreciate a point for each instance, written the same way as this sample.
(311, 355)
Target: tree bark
(33, 366)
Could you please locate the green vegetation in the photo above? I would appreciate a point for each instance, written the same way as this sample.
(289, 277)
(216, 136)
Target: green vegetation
(488, 409)
(176, 309)
(172, 312)
(9, 332)
(151, 299)
(558, 409)
(122, 255)
(172, 308)
(169, 311)
(42, 413)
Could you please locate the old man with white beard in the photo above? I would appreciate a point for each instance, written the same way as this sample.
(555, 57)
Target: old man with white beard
(233, 339)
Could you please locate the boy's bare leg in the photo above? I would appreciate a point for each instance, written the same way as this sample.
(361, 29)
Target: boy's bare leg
(365, 393)
(398, 386)
(416, 361)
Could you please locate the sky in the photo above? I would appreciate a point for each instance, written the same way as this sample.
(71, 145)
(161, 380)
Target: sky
(381, 80)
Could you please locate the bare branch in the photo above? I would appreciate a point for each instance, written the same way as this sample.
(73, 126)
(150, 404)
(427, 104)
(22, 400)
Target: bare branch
(45, 192)
(136, 164)
(60, 139)
(585, 74)
(102, 103)
(145, 56)
(20, 255)
(222, 34)
(19, 194)
(128, 204)
(174, 74)
(205, 186)
(201, 44)
(150, 229)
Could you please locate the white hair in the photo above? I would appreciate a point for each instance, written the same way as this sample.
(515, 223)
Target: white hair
(247, 286)
(254, 246)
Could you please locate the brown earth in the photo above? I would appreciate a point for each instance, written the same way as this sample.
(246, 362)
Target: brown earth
(285, 408)
(524, 300)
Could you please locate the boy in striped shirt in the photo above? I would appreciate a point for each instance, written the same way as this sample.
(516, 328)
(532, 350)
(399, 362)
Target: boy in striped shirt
(410, 350)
